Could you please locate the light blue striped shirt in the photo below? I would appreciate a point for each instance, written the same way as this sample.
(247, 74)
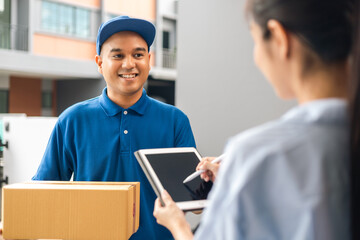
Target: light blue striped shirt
(286, 179)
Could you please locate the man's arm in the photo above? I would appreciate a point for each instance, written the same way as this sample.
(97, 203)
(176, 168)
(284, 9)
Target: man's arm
(184, 136)
(55, 162)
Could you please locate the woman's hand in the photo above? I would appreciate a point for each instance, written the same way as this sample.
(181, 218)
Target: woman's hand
(172, 217)
(211, 169)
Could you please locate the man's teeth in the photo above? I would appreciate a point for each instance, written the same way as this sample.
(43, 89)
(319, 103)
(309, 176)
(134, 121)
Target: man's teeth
(128, 75)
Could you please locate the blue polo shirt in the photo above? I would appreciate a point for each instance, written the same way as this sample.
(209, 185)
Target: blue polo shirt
(96, 139)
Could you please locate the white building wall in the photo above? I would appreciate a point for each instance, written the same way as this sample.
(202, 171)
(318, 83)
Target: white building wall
(218, 85)
(167, 7)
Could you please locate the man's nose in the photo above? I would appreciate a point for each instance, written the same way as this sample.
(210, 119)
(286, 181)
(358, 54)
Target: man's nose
(128, 63)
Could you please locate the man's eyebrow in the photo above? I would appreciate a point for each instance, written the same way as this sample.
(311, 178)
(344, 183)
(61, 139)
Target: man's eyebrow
(135, 50)
(140, 49)
(116, 50)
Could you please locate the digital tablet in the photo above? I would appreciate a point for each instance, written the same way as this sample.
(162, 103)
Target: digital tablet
(166, 168)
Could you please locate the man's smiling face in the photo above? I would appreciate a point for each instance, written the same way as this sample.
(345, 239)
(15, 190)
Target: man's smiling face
(125, 64)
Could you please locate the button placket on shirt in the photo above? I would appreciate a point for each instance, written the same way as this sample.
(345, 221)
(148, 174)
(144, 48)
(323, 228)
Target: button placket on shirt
(124, 131)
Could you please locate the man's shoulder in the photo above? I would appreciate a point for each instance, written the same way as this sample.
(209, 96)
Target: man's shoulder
(86, 107)
(161, 106)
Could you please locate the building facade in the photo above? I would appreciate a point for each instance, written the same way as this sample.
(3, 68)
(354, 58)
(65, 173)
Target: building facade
(47, 51)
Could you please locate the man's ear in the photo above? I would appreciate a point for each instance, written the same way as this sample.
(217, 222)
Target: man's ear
(98, 61)
(280, 37)
(150, 60)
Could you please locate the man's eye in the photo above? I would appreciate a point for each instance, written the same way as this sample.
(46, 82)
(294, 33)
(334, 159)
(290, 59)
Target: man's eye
(118, 56)
(138, 55)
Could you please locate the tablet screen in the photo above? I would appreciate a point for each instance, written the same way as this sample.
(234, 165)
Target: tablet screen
(173, 168)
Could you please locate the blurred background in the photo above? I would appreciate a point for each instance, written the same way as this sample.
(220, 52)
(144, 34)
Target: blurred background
(201, 62)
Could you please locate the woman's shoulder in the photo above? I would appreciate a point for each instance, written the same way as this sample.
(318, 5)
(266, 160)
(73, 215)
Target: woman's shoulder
(271, 134)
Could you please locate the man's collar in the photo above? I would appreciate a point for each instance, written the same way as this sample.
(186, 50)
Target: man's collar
(111, 108)
(140, 105)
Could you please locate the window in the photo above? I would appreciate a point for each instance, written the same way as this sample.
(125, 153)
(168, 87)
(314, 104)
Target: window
(65, 19)
(4, 100)
(5, 28)
(166, 39)
(82, 22)
(47, 99)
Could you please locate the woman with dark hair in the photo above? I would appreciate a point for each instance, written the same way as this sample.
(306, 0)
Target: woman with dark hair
(289, 179)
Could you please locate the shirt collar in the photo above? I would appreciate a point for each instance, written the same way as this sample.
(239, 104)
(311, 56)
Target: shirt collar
(331, 110)
(111, 108)
(141, 104)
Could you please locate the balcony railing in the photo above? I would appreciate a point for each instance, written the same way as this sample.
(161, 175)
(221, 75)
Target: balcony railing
(169, 58)
(13, 37)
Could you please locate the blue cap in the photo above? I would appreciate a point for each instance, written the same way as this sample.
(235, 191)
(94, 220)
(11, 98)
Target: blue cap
(124, 23)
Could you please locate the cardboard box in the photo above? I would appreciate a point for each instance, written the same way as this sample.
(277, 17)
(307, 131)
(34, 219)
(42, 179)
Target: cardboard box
(70, 210)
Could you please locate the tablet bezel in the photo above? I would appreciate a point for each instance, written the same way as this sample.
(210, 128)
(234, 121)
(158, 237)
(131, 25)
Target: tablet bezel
(154, 180)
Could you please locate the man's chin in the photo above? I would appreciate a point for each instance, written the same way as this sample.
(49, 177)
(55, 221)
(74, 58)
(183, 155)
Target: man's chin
(132, 92)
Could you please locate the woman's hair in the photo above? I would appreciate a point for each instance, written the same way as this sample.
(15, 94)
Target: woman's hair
(355, 129)
(324, 26)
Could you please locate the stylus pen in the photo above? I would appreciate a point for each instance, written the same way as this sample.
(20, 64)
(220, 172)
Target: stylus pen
(197, 173)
